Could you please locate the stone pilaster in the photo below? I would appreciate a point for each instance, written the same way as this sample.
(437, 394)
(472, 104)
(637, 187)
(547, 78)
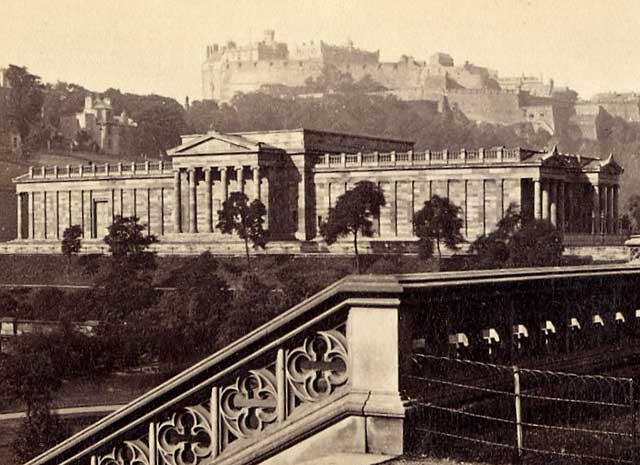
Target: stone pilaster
(604, 205)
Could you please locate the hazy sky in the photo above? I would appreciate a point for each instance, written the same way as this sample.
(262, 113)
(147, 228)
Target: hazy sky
(157, 46)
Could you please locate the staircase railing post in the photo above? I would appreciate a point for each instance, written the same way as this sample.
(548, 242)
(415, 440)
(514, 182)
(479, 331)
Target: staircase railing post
(215, 423)
(281, 387)
(153, 444)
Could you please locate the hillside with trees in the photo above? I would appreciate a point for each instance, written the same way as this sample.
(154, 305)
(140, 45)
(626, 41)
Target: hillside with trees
(333, 101)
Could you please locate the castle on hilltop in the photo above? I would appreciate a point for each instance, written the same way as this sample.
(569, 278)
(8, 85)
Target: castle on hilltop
(476, 90)
(479, 92)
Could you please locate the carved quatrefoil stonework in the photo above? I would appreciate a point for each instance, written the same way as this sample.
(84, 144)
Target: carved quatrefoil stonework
(185, 438)
(129, 453)
(317, 367)
(248, 405)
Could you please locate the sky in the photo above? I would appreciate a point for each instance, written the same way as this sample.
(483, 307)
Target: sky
(157, 46)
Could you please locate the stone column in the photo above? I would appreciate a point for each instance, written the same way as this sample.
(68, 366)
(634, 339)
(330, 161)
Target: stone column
(595, 211)
(240, 178)
(561, 206)
(177, 202)
(616, 211)
(32, 216)
(500, 195)
(19, 217)
(209, 200)
(604, 193)
(553, 202)
(610, 210)
(256, 182)
(56, 214)
(44, 213)
(545, 200)
(224, 183)
(568, 207)
(537, 200)
(193, 216)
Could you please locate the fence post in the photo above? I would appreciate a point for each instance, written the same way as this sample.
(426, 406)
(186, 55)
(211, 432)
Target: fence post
(516, 391)
(634, 426)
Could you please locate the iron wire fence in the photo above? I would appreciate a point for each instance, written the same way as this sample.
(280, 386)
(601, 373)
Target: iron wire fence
(506, 413)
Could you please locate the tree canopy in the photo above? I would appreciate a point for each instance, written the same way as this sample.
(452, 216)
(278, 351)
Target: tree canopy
(517, 242)
(353, 215)
(245, 219)
(438, 223)
(21, 107)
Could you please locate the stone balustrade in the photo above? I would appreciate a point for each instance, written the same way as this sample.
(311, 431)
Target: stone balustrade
(96, 170)
(330, 370)
(427, 158)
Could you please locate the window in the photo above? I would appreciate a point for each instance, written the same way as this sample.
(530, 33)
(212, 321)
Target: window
(294, 216)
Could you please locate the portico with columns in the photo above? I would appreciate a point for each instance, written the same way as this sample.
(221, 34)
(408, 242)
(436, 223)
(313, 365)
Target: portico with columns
(298, 175)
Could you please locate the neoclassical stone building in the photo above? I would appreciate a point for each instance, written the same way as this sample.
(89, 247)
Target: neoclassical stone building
(298, 175)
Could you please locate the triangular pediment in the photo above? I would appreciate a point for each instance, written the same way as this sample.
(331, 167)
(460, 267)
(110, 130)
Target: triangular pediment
(216, 143)
(610, 166)
(552, 158)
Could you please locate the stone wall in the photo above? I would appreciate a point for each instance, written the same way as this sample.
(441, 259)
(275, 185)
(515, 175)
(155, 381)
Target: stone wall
(482, 199)
(490, 106)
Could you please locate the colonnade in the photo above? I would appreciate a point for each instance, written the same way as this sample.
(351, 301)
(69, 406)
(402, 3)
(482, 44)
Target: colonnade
(192, 180)
(561, 202)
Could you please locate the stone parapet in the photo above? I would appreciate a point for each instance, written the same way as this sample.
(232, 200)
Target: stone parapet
(96, 170)
(420, 159)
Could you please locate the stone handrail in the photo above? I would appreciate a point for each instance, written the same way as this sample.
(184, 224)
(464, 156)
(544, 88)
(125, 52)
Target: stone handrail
(101, 170)
(427, 158)
(334, 358)
(306, 369)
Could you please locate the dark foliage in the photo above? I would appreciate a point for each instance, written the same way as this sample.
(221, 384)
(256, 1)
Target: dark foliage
(21, 108)
(438, 222)
(245, 219)
(37, 433)
(353, 215)
(518, 243)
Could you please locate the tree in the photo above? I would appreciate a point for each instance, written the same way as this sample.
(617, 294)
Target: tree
(39, 432)
(71, 243)
(23, 105)
(438, 222)
(518, 242)
(191, 316)
(237, 215)
(633, 207)
(352, 215)
(126, 240)
(126, 290)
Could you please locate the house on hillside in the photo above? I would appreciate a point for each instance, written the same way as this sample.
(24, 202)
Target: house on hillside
(97, 128)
